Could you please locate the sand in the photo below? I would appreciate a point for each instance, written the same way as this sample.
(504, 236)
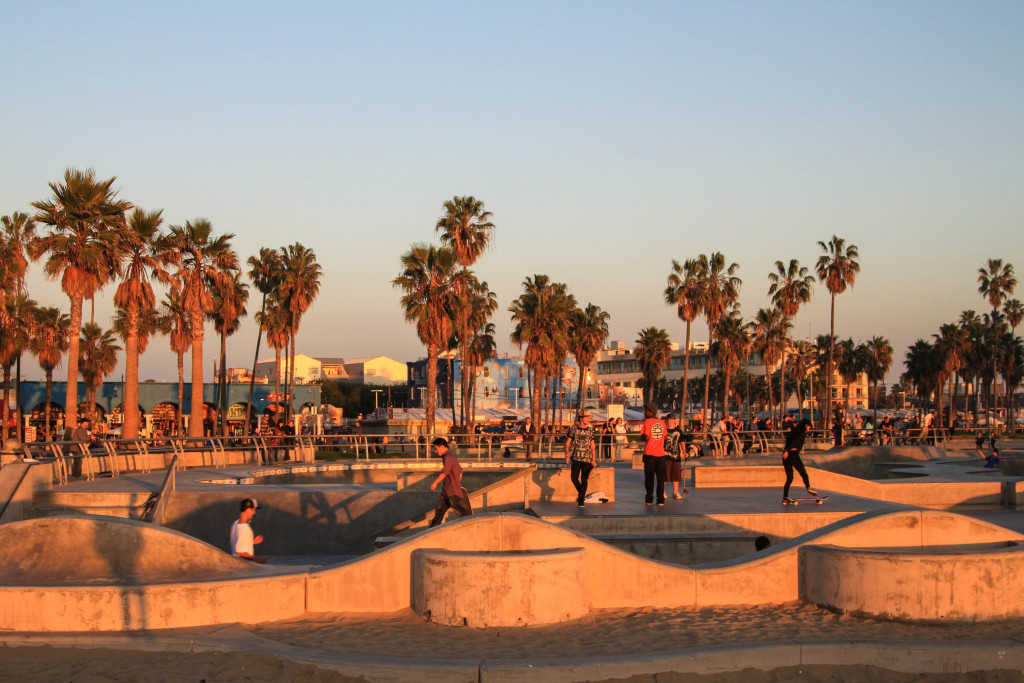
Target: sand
(600, 634)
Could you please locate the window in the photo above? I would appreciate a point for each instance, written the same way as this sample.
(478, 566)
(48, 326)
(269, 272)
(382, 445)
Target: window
(504, 372)
(521, 373)
(487, 371)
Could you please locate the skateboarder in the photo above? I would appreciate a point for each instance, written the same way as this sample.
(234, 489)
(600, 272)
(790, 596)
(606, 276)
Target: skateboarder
(452, 494)
(791, 458)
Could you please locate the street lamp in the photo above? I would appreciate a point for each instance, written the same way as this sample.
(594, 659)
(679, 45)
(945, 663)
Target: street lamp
(515, 389)
(375, 392)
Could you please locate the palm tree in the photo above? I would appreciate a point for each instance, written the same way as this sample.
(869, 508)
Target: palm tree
(770, 331)
(653, 351)
(98, 358)
(275, 321)
(429, 280)
(732, 343)
(996, 283)
(851, 362)
(175, 321)
(922, 368)
(48, 344)
(265, 273)
(791, 288)
(1013, 310)
(804, 359)
(142, 251)
(587, 333)
(878, 360)
(837, 267)
(721, 290)
(974, 355)
(85, 217)
(15, 338)
(298, 288)
(482, 348)
(684, 290)
(19, 232)
(229, 298)
(204, 261)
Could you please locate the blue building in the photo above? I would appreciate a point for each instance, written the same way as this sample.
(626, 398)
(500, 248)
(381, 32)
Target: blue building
(501, 383)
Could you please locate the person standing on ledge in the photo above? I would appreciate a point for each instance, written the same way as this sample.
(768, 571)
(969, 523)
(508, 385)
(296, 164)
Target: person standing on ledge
(580, 454)
(791, 458)
(452, 494)
(653, 432)
(242, 539)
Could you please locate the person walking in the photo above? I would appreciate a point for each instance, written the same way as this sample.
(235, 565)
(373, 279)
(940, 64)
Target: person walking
(791, 458)
(674, 453)
(580, 454)
(527, 431)
(653, 433)
(453, 496)
(620, 437)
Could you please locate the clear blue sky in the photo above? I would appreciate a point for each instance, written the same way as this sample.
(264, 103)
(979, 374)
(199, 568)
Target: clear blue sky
(606, 138)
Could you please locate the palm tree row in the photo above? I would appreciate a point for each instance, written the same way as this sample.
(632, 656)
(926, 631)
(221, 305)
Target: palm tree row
(92, 239)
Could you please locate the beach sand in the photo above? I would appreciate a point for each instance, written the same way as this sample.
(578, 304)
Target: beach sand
(603, 633)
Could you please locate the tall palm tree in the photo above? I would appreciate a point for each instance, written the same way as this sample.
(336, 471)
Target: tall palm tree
(482, 348)
(791, 287)
(48, 345)
(732, 343)
(996, 282)
(265, 273)
(143, 255)
(203, 262)
(85, 218)
(19, 232)
(175, 321)
(770, 331)
(837, 267)
(653, 351)
(429, 280)
(949, 343)
(98, 358)
(721, 290)
(15, 338)
(466, 228)
(229, 299)
(878, 360)
(922, 369)
(974, 357)
(477, 304)
(299, 287)
(274, 320)
(684, 290)
(587, 333)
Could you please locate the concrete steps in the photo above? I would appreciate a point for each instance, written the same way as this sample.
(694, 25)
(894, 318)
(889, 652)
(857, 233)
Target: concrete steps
(127, 505)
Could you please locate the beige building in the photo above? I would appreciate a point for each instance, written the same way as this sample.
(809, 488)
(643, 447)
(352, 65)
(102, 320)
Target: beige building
(308, 370)
(376, 370)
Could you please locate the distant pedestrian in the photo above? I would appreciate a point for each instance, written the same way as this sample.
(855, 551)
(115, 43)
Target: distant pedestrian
(653, 433)
(580, 454)
(791, 458)
(674, 453)
(453, 495)
(527, 431)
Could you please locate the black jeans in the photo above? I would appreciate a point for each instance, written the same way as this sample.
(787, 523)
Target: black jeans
(793, 462)
(459, 504)
(579, 472)
(655, 470)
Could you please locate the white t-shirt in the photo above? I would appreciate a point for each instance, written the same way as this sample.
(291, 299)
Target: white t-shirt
(241, 538)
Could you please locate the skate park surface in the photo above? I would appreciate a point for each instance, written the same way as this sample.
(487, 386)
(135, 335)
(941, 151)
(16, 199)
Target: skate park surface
(931, 541)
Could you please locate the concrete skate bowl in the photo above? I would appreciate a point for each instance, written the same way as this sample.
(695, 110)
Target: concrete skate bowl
(97, 551)
(1009, 466)
(105, 573)
(875, 462)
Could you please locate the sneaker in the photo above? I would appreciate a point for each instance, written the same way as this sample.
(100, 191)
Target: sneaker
(661, 504)
(812, 492)
(787, 501)
(676, 496)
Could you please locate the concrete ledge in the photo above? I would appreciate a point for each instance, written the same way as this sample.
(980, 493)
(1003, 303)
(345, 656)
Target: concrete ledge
(482, 589)
(964, 585)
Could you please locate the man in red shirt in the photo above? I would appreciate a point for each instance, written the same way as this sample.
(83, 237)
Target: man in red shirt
(653, 432)
(452, 494)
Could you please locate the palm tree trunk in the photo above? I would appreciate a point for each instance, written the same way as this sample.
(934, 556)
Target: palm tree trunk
(223, 384)
(725, 396)
(252, 377)
(181, 393)
(579, 391)
(768, 378)
(707, 382)
(195, 419)
(277, 382)
(684, 396)
(130, 411)
(71, 394)
(782, 386)
(828, 375)
(46, 408)
(291, 365)
(431, 386)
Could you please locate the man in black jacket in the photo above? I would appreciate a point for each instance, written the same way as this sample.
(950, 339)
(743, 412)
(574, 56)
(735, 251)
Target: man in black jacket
(791, 458)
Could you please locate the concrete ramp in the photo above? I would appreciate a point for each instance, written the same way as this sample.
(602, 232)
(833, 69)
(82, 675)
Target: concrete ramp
(107, 551)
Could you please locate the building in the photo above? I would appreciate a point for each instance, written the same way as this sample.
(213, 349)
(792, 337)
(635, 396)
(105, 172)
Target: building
(308, 370)
(376, 370)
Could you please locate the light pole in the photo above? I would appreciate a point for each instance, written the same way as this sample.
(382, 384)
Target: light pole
(375, 397)
(515, 389)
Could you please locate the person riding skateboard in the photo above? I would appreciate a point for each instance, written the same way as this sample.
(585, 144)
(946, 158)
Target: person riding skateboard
(791, 458)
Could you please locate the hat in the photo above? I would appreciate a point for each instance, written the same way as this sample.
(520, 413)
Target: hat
(248, 503)
(651, 407)
(582, 412)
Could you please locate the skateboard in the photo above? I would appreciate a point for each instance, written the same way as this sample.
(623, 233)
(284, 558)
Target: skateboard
(796, 501)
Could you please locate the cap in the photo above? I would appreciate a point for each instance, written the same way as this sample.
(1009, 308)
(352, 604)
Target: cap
(582, 412)
(651, 407)
(248, 503)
